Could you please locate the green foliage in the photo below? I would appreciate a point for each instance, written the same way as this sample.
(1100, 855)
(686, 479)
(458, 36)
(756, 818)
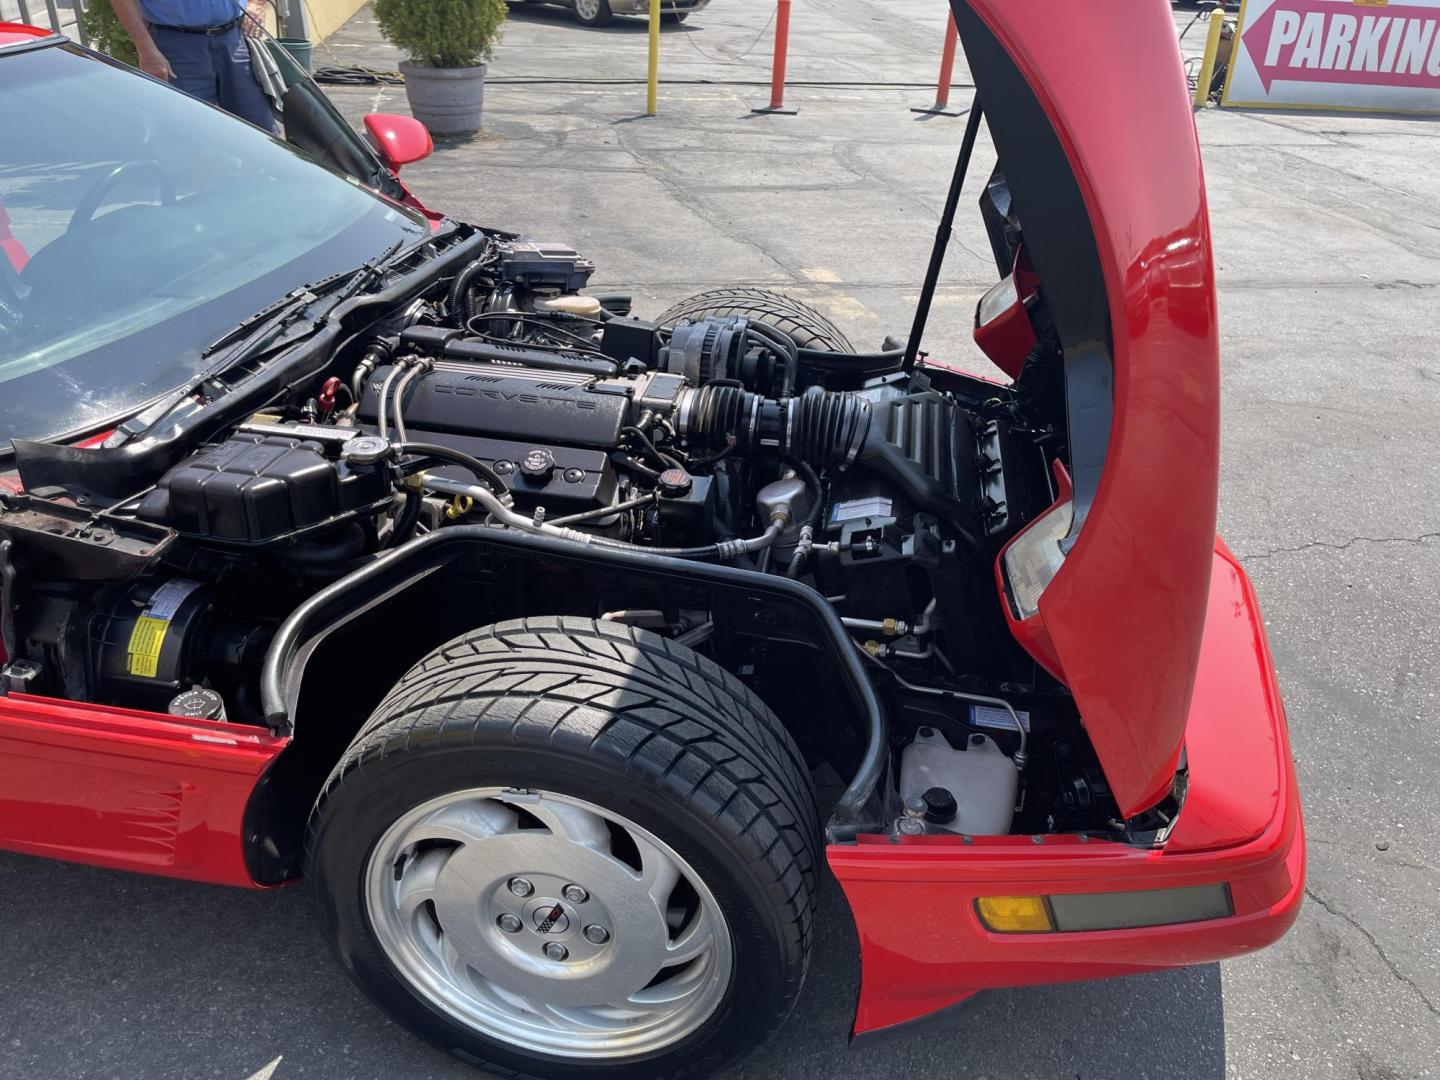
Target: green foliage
(106, 33)
(443, 33)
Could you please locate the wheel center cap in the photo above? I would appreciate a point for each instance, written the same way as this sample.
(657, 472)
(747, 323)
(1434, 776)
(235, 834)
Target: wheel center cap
(548, 916)
(591, 973)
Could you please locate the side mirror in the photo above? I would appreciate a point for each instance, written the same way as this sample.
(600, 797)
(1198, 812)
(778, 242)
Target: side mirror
(400, 139)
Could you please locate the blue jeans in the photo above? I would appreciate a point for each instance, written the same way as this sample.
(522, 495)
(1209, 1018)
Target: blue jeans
(217, 70)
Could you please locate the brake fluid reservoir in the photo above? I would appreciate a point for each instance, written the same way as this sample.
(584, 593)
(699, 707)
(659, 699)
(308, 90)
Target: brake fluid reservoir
(981, 778)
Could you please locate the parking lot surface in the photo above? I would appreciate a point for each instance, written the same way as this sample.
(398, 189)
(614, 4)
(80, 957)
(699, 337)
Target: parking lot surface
(1328, 234)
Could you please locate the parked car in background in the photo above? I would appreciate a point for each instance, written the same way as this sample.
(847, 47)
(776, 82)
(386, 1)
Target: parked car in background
(600, 12)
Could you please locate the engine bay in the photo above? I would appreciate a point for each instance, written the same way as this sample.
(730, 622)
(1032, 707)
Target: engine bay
(504, 397)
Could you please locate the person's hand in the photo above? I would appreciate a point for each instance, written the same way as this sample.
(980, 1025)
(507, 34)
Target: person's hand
(153, 62)
(253, 22)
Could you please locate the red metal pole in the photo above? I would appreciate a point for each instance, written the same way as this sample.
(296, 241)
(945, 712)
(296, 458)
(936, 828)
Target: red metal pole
(947, 74)
(782, 52)
(947, 63)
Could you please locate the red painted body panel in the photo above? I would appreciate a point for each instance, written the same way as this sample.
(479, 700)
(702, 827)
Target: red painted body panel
(1238, 785)
(1240, 824)
(19, 33)
(1125, 612)
(128, 790)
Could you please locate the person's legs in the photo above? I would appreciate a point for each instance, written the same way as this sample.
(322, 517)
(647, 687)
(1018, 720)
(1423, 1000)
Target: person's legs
(239, 92)
(191, 61)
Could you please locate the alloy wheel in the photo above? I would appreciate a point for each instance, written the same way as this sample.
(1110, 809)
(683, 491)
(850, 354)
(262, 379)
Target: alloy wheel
(548, 923)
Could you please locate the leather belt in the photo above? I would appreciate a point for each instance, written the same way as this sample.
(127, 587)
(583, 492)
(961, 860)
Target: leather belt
(207, 31)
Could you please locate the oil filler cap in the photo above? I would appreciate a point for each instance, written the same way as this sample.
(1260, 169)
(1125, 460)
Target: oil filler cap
(940, 806)
(538, 464)
(198, 704)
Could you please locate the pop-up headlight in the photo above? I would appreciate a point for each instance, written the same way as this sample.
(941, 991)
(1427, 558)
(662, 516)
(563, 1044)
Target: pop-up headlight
(1035, 556)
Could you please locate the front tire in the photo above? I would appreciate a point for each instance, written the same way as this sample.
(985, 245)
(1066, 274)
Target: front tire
(565, 848)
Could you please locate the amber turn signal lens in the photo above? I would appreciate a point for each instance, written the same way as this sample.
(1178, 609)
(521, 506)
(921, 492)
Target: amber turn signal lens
(1015, 914)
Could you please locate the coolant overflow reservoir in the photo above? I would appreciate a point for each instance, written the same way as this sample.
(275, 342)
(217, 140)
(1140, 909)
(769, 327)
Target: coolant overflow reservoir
(981, 778)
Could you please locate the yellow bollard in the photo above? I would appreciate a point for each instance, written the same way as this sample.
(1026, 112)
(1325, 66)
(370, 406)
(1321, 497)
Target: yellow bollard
(1207, 65)
(652, 98)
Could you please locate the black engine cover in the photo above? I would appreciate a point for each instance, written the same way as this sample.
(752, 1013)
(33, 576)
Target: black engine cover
(495, 402)
(579, 480)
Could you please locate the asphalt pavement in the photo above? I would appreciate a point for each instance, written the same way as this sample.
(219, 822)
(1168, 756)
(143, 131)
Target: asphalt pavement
(1328, 234)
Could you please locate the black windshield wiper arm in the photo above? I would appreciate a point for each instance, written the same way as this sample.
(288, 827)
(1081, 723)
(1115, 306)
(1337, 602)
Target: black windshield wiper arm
(290, 307)
(261, 330)
(287, 307)
(362, 278)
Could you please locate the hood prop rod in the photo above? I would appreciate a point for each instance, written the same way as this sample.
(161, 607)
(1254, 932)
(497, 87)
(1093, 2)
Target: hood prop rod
(942, 236)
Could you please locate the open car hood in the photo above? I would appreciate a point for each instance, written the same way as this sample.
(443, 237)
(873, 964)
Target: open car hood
(1091, 116)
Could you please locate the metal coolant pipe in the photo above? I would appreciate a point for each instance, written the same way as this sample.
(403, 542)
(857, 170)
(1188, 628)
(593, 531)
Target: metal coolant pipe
(727, 549)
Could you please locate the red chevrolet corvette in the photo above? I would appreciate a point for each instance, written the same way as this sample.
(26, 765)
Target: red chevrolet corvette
(346, 542)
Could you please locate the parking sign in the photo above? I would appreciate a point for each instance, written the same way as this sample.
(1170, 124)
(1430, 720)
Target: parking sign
(1369, 55)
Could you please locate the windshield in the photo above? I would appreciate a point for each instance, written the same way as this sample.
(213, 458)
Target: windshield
(137, 225)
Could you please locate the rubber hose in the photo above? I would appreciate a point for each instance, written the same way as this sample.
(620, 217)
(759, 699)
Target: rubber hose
(817, 490)
(405, 520)
(665, 460)
(817, 513)
(859, 364)
(348, 545)
(451, 456)
(725, 494)
(460, 287)
(375, 355)
(777, 338)
(614, 304)
(625, 461)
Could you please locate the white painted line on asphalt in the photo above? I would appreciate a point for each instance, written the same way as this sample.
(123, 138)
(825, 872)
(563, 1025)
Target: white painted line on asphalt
(268, 1071)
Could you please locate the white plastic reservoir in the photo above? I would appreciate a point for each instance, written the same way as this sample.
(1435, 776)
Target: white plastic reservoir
(981, 777)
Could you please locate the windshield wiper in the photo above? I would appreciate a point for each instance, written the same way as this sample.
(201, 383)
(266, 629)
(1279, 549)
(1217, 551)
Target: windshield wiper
(261, 330)
(287, 309)
(362, 278)
(291, 307)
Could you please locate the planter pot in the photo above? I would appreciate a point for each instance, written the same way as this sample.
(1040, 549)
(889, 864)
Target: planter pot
(446, 100)
(302, 50)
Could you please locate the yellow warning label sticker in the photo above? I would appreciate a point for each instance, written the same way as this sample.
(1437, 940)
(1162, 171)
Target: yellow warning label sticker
(144, 649)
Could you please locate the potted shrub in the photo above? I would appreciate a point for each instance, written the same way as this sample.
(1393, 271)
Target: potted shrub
(448, 42)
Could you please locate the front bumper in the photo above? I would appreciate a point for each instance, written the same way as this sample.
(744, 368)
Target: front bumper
(923, 948)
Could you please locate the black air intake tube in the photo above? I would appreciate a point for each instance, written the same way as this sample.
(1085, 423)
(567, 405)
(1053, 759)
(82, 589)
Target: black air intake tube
(821, 427)
(827, 430)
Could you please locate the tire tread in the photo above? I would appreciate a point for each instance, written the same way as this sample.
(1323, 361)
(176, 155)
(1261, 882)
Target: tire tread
(667, 716)
(809, 328)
